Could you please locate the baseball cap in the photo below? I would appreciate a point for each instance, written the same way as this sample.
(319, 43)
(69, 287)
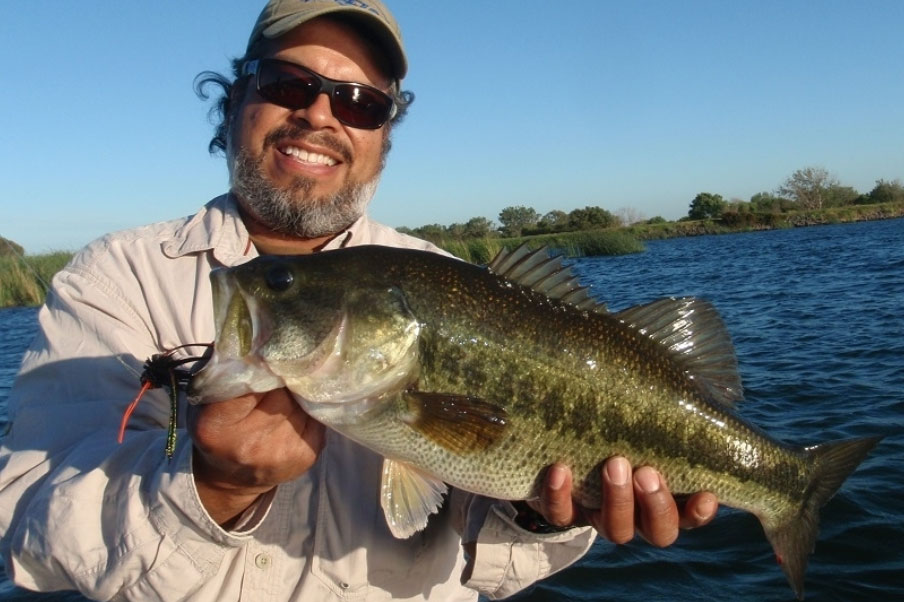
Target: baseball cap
(281, 16)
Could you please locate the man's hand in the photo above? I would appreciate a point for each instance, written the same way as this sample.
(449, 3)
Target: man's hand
(247, 446)
(640, 501)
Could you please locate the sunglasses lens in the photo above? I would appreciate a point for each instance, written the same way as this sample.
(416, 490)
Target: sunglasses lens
(290, 88)
(360, 107)
(294, 87)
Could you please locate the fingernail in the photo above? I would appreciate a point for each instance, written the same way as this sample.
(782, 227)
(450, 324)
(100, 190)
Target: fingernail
(647, 479)
(556, 478)
(618, 470)
(705, 509)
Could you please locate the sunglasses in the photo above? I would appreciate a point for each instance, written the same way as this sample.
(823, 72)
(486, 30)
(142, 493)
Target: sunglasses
(295, 87)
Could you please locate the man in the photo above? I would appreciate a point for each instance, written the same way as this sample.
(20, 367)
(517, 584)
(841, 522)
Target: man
(260, 502)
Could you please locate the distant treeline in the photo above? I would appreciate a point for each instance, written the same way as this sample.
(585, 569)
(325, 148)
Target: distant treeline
(809, 197)
(23, 279)
(805, 191)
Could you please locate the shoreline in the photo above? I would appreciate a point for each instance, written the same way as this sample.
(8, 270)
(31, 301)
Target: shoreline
(22, 290)
(752, 222)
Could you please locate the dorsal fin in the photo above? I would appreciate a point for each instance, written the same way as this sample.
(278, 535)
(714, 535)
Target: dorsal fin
(692, 330)
(544, 273)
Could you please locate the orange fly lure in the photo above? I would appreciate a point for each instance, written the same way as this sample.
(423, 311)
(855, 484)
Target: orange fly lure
(165, 370)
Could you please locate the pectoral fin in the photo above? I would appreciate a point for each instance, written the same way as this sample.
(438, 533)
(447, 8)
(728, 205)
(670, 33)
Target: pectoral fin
(408, 498)
(459, 423)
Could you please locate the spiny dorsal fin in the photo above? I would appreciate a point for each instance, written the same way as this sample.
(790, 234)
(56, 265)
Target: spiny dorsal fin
(408, 497)
(544, 273)
(691, 329)
(460, 423)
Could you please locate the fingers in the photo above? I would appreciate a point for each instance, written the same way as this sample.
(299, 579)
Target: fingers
(656, 508)
(639, 501)
(257, 440)
(699, 509)
(556, 504)
(246, 446)
(615, 520)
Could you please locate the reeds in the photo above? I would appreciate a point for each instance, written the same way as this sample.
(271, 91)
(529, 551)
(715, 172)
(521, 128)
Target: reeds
(571, 244)
(24, 280)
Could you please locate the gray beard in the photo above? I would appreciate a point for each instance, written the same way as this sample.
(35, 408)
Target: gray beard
(293, 211)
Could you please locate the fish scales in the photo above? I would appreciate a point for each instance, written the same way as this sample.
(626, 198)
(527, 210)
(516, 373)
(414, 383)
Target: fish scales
(553, 375)
(458, 374)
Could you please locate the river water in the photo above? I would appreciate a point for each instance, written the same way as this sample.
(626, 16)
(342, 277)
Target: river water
(816, 317)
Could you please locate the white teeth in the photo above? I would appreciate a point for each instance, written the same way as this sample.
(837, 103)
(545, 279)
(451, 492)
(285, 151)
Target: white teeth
(303, 155)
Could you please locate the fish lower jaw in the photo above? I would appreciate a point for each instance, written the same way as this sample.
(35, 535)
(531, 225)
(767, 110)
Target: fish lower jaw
(222, 380)
(339, 411)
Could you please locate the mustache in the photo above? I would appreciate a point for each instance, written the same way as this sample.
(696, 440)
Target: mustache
(294, 132)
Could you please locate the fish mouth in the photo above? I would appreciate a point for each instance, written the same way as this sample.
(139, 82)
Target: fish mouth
(234, 320)
(235, 368)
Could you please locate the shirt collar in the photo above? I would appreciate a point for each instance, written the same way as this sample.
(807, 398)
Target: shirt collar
(219, 228)
(356, 234)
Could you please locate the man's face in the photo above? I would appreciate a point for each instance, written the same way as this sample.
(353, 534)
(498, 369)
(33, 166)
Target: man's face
(302, 172)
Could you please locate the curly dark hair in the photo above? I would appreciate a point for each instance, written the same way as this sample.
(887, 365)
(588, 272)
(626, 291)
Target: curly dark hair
(223, 112)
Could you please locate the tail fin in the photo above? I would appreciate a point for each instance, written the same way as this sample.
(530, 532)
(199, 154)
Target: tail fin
(795, 538)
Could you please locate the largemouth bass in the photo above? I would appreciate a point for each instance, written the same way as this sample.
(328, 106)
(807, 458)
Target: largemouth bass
(480, 378)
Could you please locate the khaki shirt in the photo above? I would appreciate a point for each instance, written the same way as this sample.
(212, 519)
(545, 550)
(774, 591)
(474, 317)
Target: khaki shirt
(79, 511)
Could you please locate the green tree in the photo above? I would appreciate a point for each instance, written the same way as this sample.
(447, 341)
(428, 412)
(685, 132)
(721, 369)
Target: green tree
(591, 218)
(456, 231)
(887, 192)
(435, 233)
(837, 196)
(707, 206)
(478, 227)
(767, 202)
(515, 219)
(554, 220)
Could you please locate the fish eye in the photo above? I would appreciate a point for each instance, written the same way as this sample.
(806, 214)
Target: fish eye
(279, 278)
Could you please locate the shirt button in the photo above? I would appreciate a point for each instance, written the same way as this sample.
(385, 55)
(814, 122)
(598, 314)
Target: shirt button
(262, 561)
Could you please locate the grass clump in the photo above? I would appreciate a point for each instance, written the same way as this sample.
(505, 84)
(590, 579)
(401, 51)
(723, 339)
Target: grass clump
(585, 243)
(24, 280)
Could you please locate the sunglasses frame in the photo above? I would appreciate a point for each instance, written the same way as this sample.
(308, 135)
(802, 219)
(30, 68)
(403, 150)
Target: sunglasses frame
(326, 86)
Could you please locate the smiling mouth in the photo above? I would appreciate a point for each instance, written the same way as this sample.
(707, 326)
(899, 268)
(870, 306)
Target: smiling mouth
(307, 157)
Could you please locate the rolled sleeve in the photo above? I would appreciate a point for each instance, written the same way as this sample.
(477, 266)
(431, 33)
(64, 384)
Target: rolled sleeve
(504, 558)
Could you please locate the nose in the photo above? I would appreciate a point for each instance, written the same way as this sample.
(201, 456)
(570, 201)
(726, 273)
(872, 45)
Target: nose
(319, 114)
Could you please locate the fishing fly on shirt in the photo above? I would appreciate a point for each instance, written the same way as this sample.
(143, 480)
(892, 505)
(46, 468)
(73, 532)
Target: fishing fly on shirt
(165, 370)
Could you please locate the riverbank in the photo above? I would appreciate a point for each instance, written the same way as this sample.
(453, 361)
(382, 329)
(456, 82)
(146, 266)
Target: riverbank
(622, 241)
(23, 280)
(731, 223)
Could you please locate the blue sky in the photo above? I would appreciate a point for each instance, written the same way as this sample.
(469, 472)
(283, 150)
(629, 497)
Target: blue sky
(553, 105)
